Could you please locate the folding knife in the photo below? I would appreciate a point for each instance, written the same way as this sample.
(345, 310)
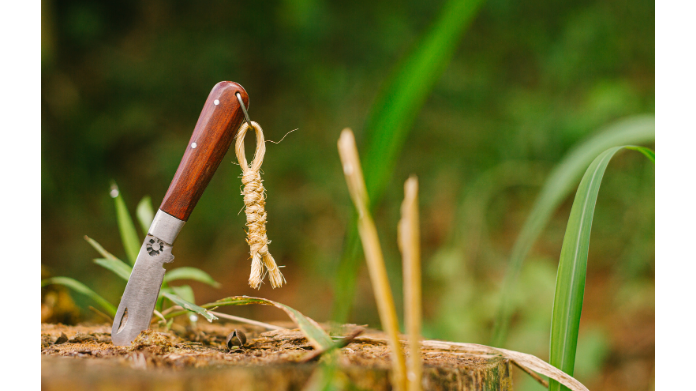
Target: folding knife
(217, 125)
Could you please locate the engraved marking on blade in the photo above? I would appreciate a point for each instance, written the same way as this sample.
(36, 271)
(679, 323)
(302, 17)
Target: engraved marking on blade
(154, 246)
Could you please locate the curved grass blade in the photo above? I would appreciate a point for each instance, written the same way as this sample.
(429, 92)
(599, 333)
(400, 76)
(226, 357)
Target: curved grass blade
(561, 181)
(189, 306)
(117, 266)
(391, 117)
(311, 329)
(131, 243)
(145, 213)
(83, 289)
(572, 267)
(649, 153)
(190, 273)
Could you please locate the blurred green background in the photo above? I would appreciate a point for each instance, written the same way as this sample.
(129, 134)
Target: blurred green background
(123, 84)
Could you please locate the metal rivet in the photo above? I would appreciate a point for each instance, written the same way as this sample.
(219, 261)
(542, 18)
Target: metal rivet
(194, 145)
(217, 102)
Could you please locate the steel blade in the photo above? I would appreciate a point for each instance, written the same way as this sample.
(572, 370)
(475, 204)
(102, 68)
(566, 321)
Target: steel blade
(138, 300)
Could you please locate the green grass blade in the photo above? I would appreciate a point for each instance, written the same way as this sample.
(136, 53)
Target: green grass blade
(649, 153)
(83, 289)
(163, 290)
(190, 273)
(347, 274)
(131, 243)
(561, 182)
(399, 103)
(115, 265)
(145, 213)
(185, 292)
(572, 268)
(99, 248)
(187, 305)
(390, 120)
(311, 329)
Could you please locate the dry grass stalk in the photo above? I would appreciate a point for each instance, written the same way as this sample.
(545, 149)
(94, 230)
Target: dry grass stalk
(409, 244)
(230, 317)
(247, 321)
(373, 254)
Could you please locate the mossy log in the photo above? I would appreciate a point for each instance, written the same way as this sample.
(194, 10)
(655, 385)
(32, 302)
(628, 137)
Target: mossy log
(83, 358)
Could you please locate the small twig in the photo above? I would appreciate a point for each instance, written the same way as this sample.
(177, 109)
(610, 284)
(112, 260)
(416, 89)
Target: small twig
(248, 321)
(338, 345)
(534, 376)
(103, 315)
(373, 254)
(409, 244)
(172, 308)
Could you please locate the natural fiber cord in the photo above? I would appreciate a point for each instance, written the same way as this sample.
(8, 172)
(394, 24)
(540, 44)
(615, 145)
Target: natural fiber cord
(255, 201)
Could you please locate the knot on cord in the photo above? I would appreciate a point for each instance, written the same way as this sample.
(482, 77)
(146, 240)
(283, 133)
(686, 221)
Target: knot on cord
(254, 193)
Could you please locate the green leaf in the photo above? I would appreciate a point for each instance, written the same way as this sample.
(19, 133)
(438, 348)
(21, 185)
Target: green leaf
(390, 120)
(649, 153)
(311, 329)
(145, 214)
(572, 268)
(163, 290)
(561, 182)
(190, 306)
(185, 292)
(131, 243)
(83, 289)
(99, 248)
(115, 265)
(190, 273)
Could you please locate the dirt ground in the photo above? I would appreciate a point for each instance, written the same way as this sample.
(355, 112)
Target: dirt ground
(83, 357)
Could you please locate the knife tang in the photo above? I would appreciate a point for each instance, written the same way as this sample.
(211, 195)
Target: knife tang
(211, 138)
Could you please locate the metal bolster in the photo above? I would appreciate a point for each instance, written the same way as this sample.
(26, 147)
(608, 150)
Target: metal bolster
(165, 227)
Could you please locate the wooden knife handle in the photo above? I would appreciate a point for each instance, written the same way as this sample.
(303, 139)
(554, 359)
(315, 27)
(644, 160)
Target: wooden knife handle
(216, 127)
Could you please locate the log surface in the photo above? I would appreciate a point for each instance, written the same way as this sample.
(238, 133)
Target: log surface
(199, 360)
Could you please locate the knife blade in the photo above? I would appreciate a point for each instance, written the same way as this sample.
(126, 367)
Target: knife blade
(216, 127)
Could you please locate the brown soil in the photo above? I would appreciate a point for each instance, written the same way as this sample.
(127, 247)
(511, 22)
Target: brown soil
(82, 357)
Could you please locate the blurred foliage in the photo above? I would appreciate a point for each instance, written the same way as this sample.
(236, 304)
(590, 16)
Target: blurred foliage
(123, 84)
(389, 122)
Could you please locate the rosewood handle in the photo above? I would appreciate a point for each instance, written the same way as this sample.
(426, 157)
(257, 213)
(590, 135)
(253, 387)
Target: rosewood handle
(214, 132)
